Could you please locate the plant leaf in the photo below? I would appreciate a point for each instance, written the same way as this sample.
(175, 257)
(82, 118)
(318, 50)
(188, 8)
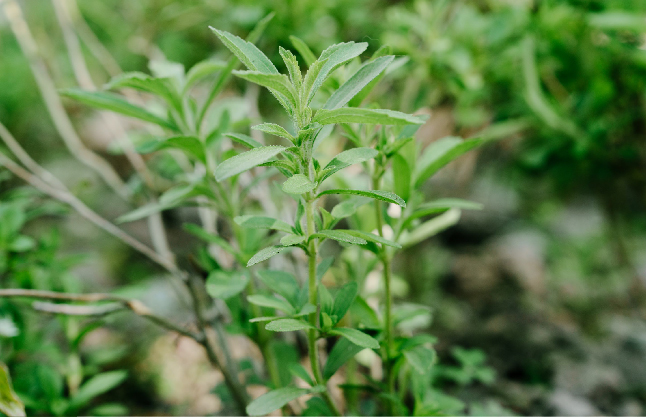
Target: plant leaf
(343, 300)
(298, 184)
(420, 358)
(367, 116)
(201, 70)
(244, 140)
(143, 82)
(10, 404)
(297, 370)
(271, 302)
(386, 196)
(336, 55)
(189, 144)
(339, 235)
(262, 222)
(197, 231)
(357, 337)
(113, 102)
(440, 153)
(303, 49)
(440, 206)
(282, 283)
(267, 253)
(431, 227)
(371, 237)
(347, 158)
(295, 74)
(401, 176)
(277, 82)
(245, 161)
(274, 129)
(246, 52)
(224, 285)
(273, 400)
(357, 82)
(291, 240)
(287, 325)
(96, 386)
(342, 352)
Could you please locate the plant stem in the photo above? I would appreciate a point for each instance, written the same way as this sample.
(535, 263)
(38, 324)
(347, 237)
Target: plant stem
(385, 260)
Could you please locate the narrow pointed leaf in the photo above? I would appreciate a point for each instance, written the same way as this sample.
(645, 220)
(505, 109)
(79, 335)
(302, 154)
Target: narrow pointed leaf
(278, 82)
(357, 82)
(263, 222)
(371, 237)
(246, 52)
(357, 337)
(386, 196)
(244, 140)
(401, 176)
(270, 302)
(281, 282)
(273, 400)
(297, 370)
(245, 161)
(298, 184)
(108, 101)
(339, 235)
(336, 56)
(266, 253)
(440, 153)
(343, 300)
(347, 158)
(274, 129)
(143, 82)
(10, 403)
(291, 240)
(431, 227)
(287, 325)
(189, 144)
(343, 351)
(367, 116)
(303, 49)
(420, 358)
(223, 285)
(202, 70)
(440, 206)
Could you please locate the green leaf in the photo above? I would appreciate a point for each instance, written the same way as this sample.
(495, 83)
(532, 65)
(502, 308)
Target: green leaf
(303, 49)
(96, 386)
(274, 129)
(144, 82)
(323, 267)
(420, 358)
(343, 300)
(113, 102)
(364, 314)
(22, 243)
(357, 337)
(348, 208)
(189, 144)
(367, 116)
(201, 70)
(440, 206)
(347, 158)
(431, 227)
(291, 240)
(357, 82)
(245, 161)
(197, 231)
(142, 212)
(299, 371)
(334, 56)
(440, 153)
(278, 82)
(287, 325)
(386, 196)
(298, 184)
(262, 222)
(343, 351)
(273, 400)
(244, 140)
(282, 283)
(295, 74)
(339, 235)
(401, 176)
(271, 302)
(10, 404)
(266, 253)
(246, 52)
(370, 237)
(224, 285)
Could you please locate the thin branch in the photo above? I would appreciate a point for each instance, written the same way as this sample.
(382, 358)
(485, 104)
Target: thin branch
(64, 195)
(53, 102)
(135, 306)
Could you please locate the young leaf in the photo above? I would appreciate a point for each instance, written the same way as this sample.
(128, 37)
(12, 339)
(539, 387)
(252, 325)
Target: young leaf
(420, 358)
(277, 82)
(244, 140)
(144, 82)
(342, 352)
(323, 266)
(295, 74)
(357, 82)
(339, 235)
(201, 70)
(10, 404)
(440, 206)
(274, 129)
(96, 386)
(431, 227)
(245, 161)
(273, 400)
(246, 52)
(299, 371)
(347, 158)
(298, 184)
(291, 240)
(189, 144)
(262, 222)
(386, 196)
(370, 237)
(287, 325)
(367, 116)
(364, 314)
(348, 208)
(303, 49)
(266, 253)
(343, 299)
(224, 285)
(270, 302)
(440, 153)
(336, 55)
(113, 102)
(282, 283)
(357, 337)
